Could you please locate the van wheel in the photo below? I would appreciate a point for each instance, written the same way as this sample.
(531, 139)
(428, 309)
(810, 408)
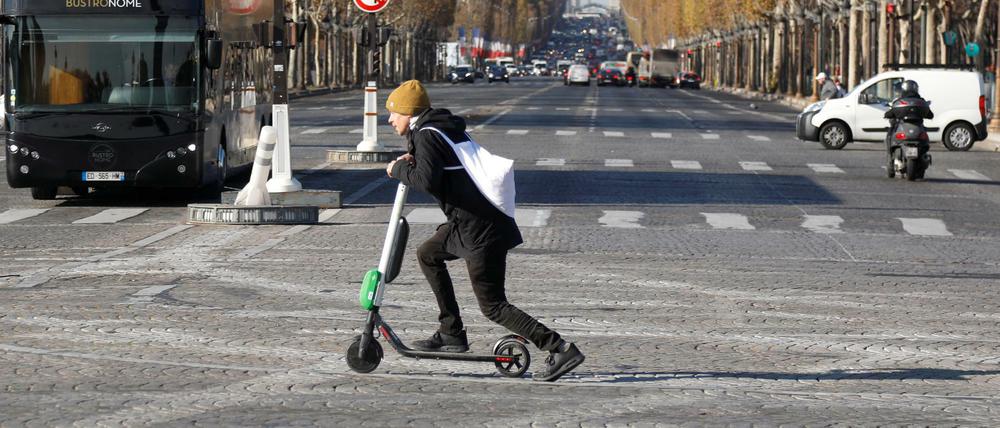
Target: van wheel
(43, 193)
(959, 137)
(833, 136)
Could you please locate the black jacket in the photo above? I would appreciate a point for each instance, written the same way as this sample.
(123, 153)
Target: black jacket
(476, 225)
(909, 106)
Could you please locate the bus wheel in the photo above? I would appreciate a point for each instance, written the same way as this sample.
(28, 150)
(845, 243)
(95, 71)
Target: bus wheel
(43, 193)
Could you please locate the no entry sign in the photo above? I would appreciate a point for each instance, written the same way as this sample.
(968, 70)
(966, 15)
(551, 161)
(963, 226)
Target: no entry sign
(371, 6)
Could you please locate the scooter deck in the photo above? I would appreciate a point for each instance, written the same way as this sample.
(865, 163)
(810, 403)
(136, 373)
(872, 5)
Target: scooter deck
(455, 356)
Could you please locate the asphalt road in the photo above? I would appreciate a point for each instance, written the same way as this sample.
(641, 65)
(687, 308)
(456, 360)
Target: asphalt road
(713, 269)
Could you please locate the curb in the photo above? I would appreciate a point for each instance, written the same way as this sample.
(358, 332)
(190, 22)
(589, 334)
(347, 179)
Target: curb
(797, 103)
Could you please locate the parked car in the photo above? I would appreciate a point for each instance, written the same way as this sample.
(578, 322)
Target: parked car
(957, 99)
(497, 73)
(462, 73)
(577, 73)
(687, 79)
(610, 76)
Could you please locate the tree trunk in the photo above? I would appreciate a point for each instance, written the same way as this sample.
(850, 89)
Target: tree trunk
(930, 30)
(883, 35)
(980, 24)
(904, 41)
(777, 55)
(866, 43)
(852, 46)
(942, 27)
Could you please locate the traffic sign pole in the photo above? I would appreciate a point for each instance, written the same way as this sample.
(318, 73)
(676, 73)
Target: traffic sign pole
(369, 141)
(281, 180)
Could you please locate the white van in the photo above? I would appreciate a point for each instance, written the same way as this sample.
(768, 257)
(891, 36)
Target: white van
(956, 96)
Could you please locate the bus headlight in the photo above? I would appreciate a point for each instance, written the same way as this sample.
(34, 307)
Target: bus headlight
(35, 155)
(12, 148)
(181, 169)
(171, 154)
(192, 147)
(24, 169)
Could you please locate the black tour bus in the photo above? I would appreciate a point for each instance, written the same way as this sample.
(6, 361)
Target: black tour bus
(133, 93)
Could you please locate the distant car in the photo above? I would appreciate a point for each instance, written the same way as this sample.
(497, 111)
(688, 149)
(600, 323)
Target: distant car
(462, 74)
(610, 76)
(497, 73)
(577, 73)
(687, 79)
(512, 70)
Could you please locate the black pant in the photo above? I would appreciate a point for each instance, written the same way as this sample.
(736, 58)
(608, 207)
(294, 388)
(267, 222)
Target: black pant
(487, 270)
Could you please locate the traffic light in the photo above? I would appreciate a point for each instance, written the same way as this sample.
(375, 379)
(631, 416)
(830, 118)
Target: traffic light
(376, 61)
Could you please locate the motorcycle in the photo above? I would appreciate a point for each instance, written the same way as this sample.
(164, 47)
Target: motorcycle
(907, 143)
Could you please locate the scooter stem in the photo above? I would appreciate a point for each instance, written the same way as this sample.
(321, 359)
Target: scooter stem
(390, 238)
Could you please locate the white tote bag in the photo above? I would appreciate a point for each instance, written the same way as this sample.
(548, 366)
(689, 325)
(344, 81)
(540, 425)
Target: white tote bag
(493, 175)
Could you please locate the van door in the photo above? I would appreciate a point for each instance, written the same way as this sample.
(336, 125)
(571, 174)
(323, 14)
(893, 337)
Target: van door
(870, 123)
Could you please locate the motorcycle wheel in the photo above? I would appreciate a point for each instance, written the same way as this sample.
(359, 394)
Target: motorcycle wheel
(911, 169)
(890, 167)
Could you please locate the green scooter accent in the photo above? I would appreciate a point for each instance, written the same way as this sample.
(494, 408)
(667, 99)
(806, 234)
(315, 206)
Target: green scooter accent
(369, 286)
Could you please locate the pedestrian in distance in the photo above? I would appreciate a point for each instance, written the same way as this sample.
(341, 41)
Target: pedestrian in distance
(827, 87)
(476, 230)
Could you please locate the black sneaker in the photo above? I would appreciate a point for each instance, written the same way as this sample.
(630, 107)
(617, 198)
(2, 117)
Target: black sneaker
(441, 342)
(559, 363)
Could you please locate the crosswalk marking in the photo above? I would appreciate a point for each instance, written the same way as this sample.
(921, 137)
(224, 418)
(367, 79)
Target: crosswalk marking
(113, 215)
(619, 163)
(532, 218)
(562, 108)
(662, 135)
(968, 174)
(614, 134)
(755, 166)
(823, 223)
(759, 138)
(11, 216)
(550, 162)
(357, 131)
(565, 133)
(648, 110)
(517, 132)
(614, 109)
(825, 168)
(710, 136)
(683, 164)
(622, 219)
(728, 221)
(534, 108)
(341, 108)
(314, 131)
(700, 112)
(925, 227)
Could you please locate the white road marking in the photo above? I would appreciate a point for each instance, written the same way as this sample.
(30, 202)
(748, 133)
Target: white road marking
(562, 108)
(326, 215)
(364, 191)
(825, 168)
(700, 111)
(11, 216)
(316, 108)
(534, 108)
(523, 217)
(823, 223)
(113, 215)
(357, 131)
(314, 131)
(147, 294)
(925, 227)
(622, 219)
(532, 218)
(565, 133)
(550, 162)
(662, 135)
(759, 138)
(614, 109)
(517, 132)
(341, 108)
(489, 121)
(648, 110)
(618, 134)
(755, 166)
(683, 164)
(709, 136)
(728, 221)
(968, 174)
(619, 163)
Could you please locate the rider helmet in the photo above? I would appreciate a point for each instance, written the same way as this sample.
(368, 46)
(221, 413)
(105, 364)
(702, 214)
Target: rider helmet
(910, 86)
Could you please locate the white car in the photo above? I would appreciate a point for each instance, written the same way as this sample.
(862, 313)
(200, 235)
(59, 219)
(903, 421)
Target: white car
(578, 73)
(956, 97)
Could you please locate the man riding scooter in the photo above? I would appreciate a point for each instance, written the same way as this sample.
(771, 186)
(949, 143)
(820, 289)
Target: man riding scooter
(907, 143)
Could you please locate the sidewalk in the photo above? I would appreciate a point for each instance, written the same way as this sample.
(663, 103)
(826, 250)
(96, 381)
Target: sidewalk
(990, 144)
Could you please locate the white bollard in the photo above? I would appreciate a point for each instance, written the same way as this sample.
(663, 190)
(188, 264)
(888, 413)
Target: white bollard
(281, 177)
(369, 143)
(255, 192)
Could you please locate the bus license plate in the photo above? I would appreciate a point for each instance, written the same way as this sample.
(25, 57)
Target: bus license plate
(910, 152)
(103, 176)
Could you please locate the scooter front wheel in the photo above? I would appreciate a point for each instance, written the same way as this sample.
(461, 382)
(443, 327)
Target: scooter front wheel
(513, 358)
(373, 356)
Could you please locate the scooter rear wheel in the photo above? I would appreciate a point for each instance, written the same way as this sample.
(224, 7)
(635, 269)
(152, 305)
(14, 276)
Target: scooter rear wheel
(372, 357)
(520, 359)
(911, 169)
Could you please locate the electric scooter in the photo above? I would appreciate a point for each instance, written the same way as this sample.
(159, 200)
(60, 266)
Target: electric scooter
(510, 353)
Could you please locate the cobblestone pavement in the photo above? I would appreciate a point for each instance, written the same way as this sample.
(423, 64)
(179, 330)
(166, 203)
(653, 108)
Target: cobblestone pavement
(149, 321)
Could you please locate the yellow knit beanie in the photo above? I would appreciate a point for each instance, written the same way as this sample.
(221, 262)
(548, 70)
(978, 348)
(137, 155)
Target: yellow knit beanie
(409, 99)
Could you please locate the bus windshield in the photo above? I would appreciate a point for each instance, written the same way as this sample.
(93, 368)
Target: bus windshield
(95, 63)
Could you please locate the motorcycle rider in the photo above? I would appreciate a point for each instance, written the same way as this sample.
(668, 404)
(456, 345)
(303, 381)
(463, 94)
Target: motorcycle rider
(908, 106)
